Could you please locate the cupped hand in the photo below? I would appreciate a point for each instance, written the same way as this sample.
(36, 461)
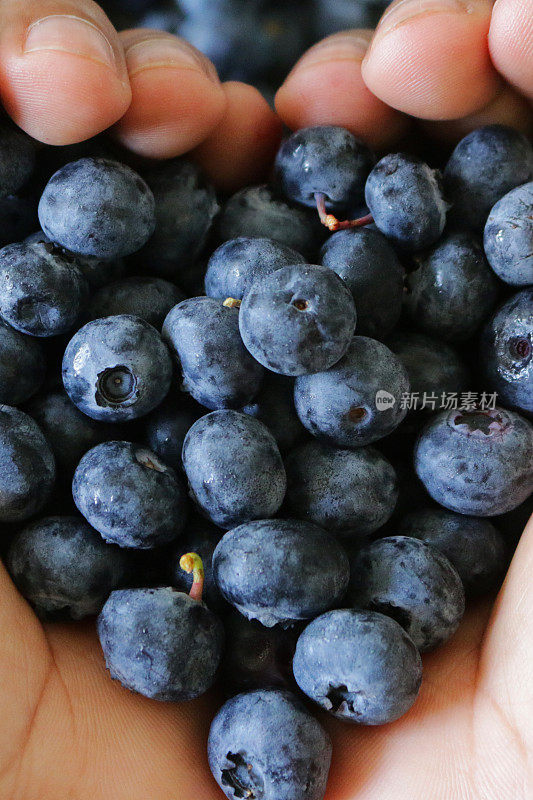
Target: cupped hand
(68, 732)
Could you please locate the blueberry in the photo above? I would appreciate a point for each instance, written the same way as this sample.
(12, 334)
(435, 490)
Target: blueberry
(474, 546)
(200, 536)
(236, 264)
(508, 237)
(484, 166)
(324, 160)
(370, 268)
(217, 370)
(160, 643)
(358, 665)
(27, 468)
(257, 212)
(17, 158)
(148, 298)
(452, 289)
(234, 468)
(18, 218)
(348, 492)
(69, 432)
(274, 407)
(411, 582)
(405, 198)
(96, 271)
(297, 320)
(265, 744)
(279, 571)
(22, 365)
(97, 207)
(129, 496)
(476, 462)
(63, 568)
(357, 401)
(434, 368)
(41, 292)
(507, 351)
(166, 428)
(185, 207)
(117, 368)
(256, 657)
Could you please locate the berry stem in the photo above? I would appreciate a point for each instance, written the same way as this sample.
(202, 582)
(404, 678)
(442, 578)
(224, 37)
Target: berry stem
(332, 223)
(231, 302)
(191, 562)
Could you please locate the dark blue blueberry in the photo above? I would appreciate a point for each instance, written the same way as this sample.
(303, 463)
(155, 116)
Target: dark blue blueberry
(475, 548)
(69, 432)
(129, 496)
(22, 365)
(41, 292)
(166, 427)
(370, 268)
(484, 166)
(27, 467)
(117, 368)
(96, 271)
(63, 568)
(97, 207)
(236, 264)
(256, 657)
(234, 468)
(257, 212)
(434, 368)
(185, 207)
(325, 160)
(508, 238)
(405, 198)
(17, 158)
(280, 571)
(411, 582)
(265, 744)
(358, 665)
(507, 351)
(274, 407)
(356, 402)
(452, 289)
(18, 218)
(160, 643)
(200, 536)
(476, 462)
(297, 320)
(148, 298)
(347, 492)
(217, 370)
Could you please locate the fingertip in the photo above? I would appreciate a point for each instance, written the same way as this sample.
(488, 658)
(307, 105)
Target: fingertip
(511, 42)
(241, 149)
(326, 87)
(177, 98)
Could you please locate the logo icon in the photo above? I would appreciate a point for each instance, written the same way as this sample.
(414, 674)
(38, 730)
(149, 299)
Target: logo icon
(384, 400)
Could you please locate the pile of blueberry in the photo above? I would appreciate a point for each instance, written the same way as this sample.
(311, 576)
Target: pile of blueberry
(209, 437)
(257, 41)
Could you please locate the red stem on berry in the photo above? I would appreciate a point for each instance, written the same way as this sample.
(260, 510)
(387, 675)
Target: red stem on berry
(191, 562)
(332, 223)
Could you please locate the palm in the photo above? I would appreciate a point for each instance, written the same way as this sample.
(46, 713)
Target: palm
(70, 732)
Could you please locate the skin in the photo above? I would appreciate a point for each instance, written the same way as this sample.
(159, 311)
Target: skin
(470, 732)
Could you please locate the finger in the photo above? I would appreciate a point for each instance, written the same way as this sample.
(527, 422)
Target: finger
(507, 108)
(177, 98)
(430, 58)
(511, 42)
(241, 149)
(326, 88)
(63, 75)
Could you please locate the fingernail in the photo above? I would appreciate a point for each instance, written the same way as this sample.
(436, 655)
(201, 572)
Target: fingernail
(67, 33)
(341, 47)
(161, 51)
(406, 10)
